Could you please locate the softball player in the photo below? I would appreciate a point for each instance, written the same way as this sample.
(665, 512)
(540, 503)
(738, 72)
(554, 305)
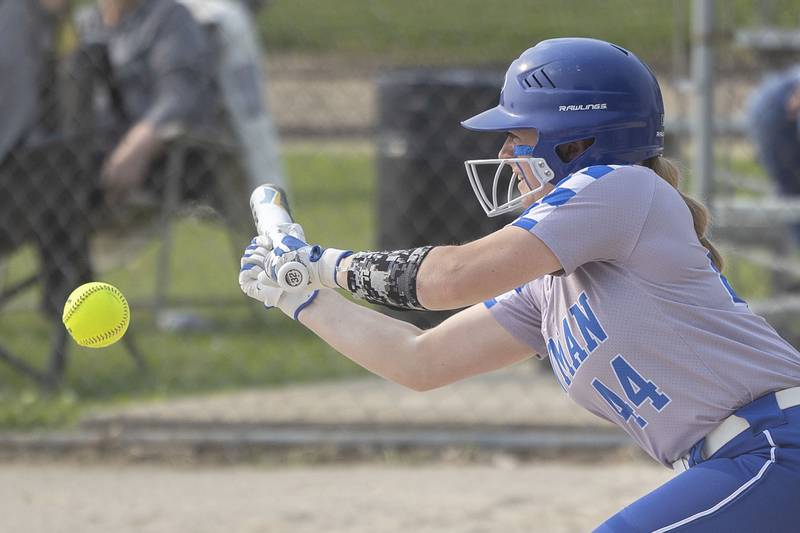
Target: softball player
(608, 273)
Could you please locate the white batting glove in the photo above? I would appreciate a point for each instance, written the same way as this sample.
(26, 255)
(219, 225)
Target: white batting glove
(320, 262)
(252, 265)
(281, 230)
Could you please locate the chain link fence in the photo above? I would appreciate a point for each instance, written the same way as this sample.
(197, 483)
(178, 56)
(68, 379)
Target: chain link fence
(133, 145)
(752, 185)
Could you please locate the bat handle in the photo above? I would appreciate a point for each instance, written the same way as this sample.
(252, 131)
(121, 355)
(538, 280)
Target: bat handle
(293, 276)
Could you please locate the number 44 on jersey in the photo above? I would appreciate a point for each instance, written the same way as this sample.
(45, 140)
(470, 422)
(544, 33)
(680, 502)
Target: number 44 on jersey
(637, 390)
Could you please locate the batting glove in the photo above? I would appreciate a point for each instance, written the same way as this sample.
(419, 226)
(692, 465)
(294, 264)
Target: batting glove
(292, 229)
(320, 262)
(252, 266)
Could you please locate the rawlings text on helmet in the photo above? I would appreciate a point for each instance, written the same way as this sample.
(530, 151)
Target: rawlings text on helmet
(583, 107)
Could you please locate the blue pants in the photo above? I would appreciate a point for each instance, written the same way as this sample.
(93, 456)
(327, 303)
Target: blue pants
(752, 484)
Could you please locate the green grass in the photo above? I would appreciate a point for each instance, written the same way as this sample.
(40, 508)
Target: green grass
(475, 32)
(332, 194)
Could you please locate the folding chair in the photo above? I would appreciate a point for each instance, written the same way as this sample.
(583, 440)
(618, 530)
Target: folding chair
(228, 188)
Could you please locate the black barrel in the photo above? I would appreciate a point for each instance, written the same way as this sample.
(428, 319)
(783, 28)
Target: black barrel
(423, 193)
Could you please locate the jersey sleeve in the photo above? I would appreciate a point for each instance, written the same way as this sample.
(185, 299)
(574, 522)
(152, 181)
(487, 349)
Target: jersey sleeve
(519, 312)
(596, 214)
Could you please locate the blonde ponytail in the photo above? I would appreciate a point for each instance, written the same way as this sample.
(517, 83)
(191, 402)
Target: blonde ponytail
(670, 173)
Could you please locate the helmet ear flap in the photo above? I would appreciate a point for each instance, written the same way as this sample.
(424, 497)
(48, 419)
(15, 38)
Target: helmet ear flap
(570, 151)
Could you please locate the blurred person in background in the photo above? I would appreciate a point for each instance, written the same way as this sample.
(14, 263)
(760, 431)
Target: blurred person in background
(773, 111)
(157, 68)
(26, 50)
(43, 196)
(242, 79)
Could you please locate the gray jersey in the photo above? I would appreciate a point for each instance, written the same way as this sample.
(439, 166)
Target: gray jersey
(161, 62)
(640, 328)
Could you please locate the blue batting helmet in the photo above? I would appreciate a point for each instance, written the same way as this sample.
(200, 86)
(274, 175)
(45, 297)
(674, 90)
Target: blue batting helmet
(573, 89)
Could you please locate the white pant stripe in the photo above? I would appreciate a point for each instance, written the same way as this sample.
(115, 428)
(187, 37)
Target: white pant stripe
(735, 493)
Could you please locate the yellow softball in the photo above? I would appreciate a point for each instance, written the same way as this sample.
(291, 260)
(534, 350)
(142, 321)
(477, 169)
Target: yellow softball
(96, 315)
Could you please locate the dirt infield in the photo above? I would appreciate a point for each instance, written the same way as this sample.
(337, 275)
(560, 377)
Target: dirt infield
(552, 497)
(525, 394)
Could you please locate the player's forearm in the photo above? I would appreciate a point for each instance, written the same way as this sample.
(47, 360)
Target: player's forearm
(383, 345)
(447, 280)
(441, 281)
(459, 276)
(451, 277)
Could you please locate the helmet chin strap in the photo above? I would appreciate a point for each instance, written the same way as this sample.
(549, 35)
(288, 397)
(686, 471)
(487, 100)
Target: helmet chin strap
(548, 171)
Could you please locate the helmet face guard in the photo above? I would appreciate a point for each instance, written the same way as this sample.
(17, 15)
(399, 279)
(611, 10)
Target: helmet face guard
(497, 192)
(575, 89)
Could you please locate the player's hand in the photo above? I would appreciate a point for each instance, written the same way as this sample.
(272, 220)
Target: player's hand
(319, 262)
(292, 229)
(252, 266)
